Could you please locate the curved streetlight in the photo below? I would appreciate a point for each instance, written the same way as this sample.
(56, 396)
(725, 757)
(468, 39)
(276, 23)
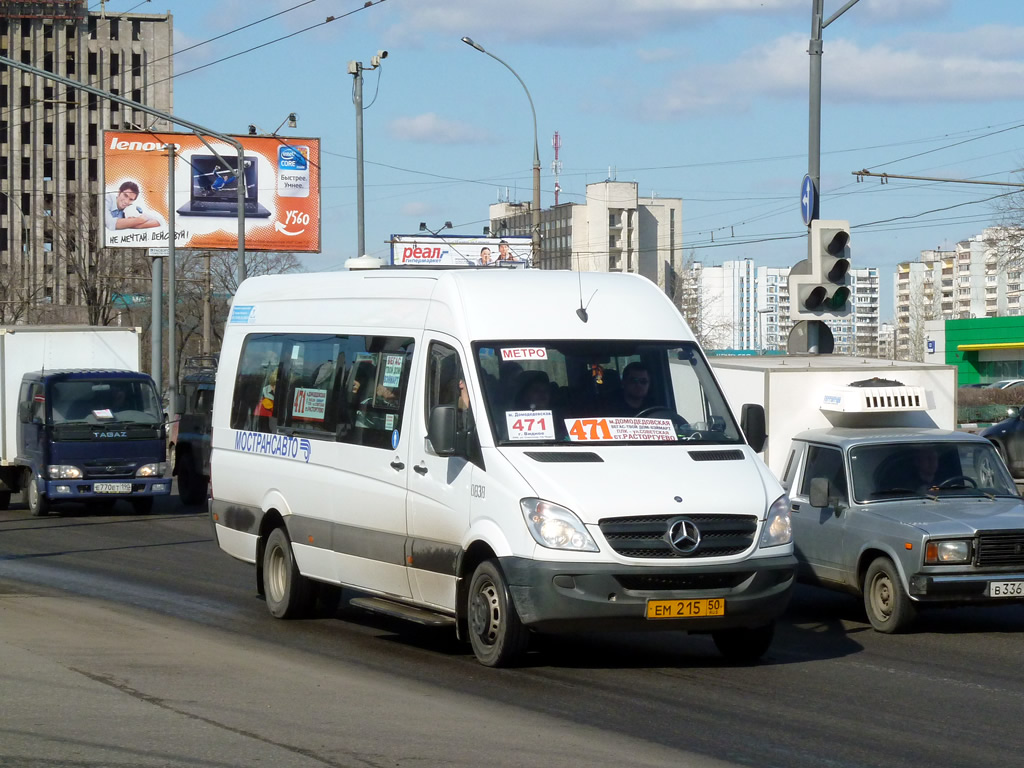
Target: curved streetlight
(535, 237)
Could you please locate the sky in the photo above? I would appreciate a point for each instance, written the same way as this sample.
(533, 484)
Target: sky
(704, 100)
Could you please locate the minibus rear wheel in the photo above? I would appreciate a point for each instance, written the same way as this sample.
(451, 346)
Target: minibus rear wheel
(496, 633)
(288, 593)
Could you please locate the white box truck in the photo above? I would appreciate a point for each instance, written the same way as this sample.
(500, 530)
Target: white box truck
(78, 420)
(888, 500)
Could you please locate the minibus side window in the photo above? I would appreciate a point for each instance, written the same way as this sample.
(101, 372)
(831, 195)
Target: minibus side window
(371, 400)
(446, 385)
(252, 404)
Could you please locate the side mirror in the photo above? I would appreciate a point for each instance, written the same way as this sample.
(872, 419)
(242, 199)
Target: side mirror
(819, 492)
(442, 430)
(752, 423)
(179, 404)
(24, 412)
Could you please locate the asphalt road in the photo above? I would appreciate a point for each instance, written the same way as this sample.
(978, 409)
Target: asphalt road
(133, 641)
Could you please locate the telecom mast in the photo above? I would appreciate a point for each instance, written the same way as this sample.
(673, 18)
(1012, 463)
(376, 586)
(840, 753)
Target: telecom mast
(556, 166)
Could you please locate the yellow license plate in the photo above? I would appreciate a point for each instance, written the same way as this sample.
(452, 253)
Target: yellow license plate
(685, 609)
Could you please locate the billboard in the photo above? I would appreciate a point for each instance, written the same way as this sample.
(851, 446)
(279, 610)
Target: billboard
(281, 178)
(461, 250)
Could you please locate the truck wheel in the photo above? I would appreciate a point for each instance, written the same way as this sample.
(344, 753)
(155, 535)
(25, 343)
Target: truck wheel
(496, 633)
(143, 506)
(191, 485)
(288, 593)
(5, 499)
(744, 645)
(888, 606)
(38, 504)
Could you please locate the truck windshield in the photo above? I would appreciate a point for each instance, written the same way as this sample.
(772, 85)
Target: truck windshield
(541, 392)
(103, 401)
(936, 469)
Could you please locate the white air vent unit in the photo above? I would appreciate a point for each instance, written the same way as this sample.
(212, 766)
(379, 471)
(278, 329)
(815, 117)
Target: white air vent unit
(875, 399)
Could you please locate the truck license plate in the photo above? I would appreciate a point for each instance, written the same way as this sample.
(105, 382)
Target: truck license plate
(112, 487)
(1006, 589)
(685, 609)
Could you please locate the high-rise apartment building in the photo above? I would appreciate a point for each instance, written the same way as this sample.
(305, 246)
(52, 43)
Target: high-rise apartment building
(51, 260)
(980, 277)
(615, 230)
(747, 307)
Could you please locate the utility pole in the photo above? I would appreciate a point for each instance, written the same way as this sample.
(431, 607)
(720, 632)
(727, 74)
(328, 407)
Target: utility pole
(207, 298)
(172, 363)
(356, 69)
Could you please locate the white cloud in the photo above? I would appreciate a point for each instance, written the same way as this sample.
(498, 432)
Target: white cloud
(602, 22)
(416, 209)
(428, 128)
(882, 73)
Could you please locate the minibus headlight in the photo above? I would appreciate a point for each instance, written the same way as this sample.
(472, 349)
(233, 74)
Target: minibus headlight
(555, 527)
(64, 472)
(778, 528)
(950, 551)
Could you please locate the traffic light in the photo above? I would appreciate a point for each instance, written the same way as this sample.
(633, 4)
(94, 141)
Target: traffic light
(819, 286)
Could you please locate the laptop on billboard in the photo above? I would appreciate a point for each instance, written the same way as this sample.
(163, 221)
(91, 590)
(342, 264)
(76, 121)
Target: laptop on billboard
(214, 190)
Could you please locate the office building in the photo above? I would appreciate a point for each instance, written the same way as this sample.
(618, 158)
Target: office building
(52, 268)
(615, 230)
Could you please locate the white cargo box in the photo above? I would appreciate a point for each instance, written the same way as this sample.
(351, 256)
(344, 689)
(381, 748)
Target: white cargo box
(25, 348)
(801, 392)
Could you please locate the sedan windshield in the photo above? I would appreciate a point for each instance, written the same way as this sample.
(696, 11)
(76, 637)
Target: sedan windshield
(928, 469)
(585, 392)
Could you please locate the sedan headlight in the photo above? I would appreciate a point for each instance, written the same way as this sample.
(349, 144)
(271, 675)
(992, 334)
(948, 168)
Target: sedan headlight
(64, 472)
(948, 551)
(778, 528)
(555, 527)
(151, 470)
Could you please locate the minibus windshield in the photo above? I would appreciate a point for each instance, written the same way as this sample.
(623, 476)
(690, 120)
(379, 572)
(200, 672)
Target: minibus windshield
(569, 392)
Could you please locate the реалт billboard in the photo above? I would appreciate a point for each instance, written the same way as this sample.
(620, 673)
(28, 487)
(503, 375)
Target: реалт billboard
(282, 192)
(461, 250)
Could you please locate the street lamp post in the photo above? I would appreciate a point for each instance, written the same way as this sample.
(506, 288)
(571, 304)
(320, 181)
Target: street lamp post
(356, 69)
(535, 234)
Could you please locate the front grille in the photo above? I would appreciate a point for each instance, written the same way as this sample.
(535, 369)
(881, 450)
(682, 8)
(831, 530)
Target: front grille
(675, 582)
(646, 537)
(1000, 549)
(115, 468)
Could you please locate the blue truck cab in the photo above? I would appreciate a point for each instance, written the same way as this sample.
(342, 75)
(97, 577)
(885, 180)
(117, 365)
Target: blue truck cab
(92, 436)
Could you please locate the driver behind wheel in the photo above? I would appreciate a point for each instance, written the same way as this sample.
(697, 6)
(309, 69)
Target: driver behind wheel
(634, 395)
(925, 463)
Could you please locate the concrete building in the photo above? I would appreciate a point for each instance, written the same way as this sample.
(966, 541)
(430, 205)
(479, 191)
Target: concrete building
(50, 144)
(980, 277)
(615, 230)
(750, 305)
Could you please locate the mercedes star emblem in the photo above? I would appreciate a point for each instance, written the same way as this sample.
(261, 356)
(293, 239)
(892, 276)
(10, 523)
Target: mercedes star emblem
(683, 536)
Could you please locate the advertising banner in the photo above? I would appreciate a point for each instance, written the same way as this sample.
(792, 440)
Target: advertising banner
(282, 192)
(460, 250)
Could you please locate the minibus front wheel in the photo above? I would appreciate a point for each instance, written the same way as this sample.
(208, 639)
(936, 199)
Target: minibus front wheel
(288, 593)
(496, 633)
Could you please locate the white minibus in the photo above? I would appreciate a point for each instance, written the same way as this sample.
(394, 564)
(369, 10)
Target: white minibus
(508, 452)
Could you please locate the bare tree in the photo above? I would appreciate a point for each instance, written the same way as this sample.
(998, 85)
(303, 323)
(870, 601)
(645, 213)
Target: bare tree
(95, 275)
(696, 305)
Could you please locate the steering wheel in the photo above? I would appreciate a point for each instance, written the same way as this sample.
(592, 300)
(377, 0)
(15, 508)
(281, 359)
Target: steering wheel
(661, 411)
(963, 480)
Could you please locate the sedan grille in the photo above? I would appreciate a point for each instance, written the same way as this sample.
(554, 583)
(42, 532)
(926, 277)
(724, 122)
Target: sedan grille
(647, 537)
(1001, 549)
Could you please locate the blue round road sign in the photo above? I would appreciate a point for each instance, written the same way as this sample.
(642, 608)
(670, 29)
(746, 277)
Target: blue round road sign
(807, 199)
